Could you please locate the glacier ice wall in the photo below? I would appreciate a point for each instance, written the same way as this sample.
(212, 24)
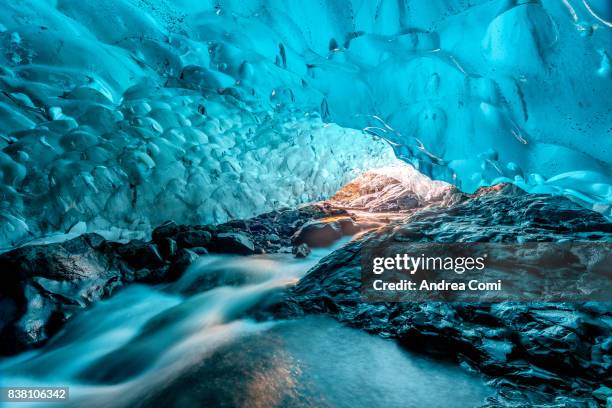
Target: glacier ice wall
(124, 112)
(163, 154)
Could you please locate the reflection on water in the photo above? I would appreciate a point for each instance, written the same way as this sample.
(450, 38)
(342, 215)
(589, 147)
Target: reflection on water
(191, 343)
(316, 362)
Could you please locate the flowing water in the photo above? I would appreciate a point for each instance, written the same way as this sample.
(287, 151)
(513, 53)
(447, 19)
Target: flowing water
(191, 343)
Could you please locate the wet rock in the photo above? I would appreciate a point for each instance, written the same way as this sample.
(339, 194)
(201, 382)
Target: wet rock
(603, 393)
(139, 254)
(496, 352)
(302, 250)
(318, 234)
(193, 238)
(167, 229)
(288, 217)
(551, 346)
(199, 251)
(515, 346)
(42, 285)
(232, 243)
(273, 238)
(184, 259)
(348, 226)
(167, 247)
(507, 215)
(538, 353)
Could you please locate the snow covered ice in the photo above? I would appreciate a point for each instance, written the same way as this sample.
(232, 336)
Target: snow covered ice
(119, 114)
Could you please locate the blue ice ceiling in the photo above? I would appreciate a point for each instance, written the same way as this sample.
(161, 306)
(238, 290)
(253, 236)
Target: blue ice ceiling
(99, 95)
(472, 92)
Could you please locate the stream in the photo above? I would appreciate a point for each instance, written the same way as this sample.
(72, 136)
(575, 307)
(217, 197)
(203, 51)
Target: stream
(192, 343)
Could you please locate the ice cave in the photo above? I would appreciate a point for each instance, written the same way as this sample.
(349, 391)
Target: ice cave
(190, 187)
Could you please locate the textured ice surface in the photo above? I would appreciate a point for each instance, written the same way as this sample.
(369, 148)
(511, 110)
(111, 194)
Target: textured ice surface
(157, 157)
(122, 113)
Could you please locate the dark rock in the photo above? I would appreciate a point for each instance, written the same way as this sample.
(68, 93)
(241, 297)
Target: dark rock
(167, 229)
(536, 351)
(407, 202)
(41, 286)
(199, 251)
(302, 250)
(273, 238)
(288, 217)
(142, 275)
(603, 393)
(237, 224)
(507, 215)
(184, 259)
(517, 344)
(232, 243)
(156, 275)
(58, 261)
(259, 227)
(273, 230)
(193, 238)
(167, 247)
(139, 254)
(318, 234)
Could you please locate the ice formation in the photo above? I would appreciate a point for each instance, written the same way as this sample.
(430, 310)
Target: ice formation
(124, 113)
(157, 157)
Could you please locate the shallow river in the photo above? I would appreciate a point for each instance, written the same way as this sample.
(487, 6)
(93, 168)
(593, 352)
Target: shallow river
(191, 343)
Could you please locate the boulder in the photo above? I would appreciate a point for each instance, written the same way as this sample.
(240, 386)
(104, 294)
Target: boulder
(167, 229)
(140, 255)
(232, 243)
(199, 251)
(184, 259)
(42, 285)
(167, 247)
(318, 234)
(193, 238)
(348, 226)
(302, 250)
(603, 393)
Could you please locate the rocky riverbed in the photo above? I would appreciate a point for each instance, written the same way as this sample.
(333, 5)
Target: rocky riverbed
(556, 354)
(549, 354)
(44, 285)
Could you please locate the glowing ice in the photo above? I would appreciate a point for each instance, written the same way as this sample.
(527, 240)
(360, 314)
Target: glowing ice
(123, 113)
